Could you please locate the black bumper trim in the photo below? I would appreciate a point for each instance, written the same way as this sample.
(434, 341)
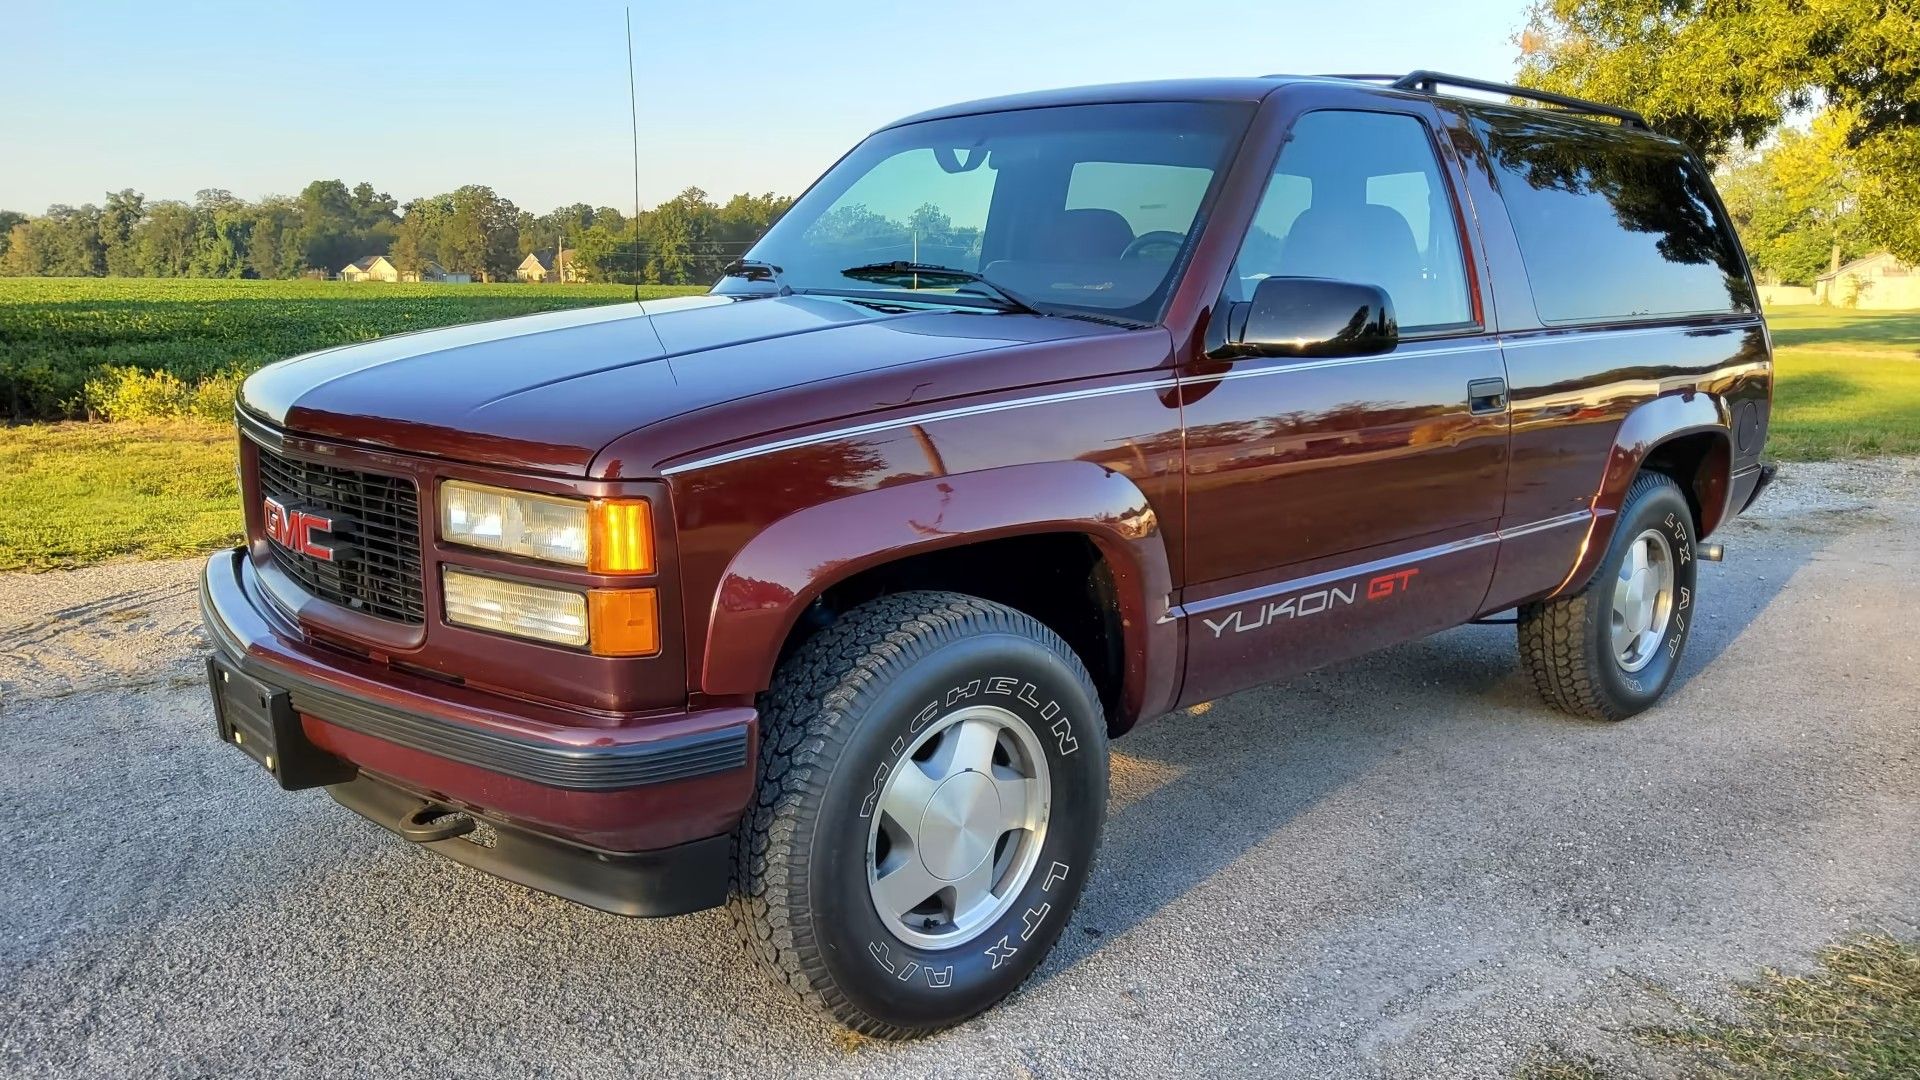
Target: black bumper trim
(601, 769)
(672, 881)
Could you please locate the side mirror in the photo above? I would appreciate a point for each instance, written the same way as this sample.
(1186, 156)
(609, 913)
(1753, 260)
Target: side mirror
(1303, 316)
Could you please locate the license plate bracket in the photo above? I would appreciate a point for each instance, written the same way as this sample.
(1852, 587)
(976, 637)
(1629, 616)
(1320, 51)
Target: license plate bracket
(259, 719)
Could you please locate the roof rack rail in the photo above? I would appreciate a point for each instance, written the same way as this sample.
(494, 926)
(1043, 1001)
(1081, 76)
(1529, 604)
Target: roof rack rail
(1430, 82)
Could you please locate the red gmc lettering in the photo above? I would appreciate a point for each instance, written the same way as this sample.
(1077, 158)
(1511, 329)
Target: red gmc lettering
(294, 529)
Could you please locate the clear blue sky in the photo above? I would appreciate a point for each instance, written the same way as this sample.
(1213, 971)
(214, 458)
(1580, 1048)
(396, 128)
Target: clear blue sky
(531, 99)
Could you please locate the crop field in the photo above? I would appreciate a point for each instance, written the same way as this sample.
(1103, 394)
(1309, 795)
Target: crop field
(56, 334)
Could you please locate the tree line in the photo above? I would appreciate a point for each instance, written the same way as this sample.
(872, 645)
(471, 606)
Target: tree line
(470, 230)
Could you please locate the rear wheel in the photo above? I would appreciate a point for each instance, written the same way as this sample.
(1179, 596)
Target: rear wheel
(1611, 649)
(933, 782)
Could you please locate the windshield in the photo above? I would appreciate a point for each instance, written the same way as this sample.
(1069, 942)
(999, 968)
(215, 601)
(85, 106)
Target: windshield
(1082, 209)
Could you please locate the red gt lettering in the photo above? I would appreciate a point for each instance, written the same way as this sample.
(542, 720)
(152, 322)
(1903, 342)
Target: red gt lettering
(1386, 585)
(293, 529)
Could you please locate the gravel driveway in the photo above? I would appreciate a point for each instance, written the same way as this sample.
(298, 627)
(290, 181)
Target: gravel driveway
(1398, 866)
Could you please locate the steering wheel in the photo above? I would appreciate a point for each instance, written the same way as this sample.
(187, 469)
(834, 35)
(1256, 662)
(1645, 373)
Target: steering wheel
(1159, 238)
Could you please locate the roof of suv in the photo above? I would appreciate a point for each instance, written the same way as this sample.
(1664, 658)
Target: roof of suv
(1255, 88)
(1250, 89)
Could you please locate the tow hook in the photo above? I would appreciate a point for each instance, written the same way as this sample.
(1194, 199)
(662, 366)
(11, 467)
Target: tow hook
(429, 822)
(1710, 552)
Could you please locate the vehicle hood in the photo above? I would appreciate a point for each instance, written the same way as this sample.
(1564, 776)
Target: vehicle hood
(545, 392)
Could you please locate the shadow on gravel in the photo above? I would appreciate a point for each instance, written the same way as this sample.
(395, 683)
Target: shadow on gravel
(1236, 772)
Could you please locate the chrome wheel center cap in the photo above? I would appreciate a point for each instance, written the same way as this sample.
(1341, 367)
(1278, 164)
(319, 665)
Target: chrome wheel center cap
(1642, 600)
(1637, 609)
(960, 826)
(957, 827)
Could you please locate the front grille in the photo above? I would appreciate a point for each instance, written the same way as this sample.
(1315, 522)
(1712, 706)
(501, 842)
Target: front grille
(379, 517)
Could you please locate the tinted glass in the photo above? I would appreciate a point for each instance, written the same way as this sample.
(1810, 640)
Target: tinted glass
(1357, 196)
(1080, 209)
(1611, 225)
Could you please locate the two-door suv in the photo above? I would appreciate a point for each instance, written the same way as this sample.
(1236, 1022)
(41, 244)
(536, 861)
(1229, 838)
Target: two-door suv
(821, 595)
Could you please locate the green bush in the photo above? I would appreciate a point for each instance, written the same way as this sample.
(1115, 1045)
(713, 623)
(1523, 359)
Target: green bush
(126, 393)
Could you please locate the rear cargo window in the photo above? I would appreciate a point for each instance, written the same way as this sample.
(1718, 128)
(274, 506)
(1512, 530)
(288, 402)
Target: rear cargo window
(1612, 225)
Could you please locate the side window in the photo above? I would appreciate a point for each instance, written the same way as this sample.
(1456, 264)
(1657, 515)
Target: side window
(1358, 196)
(1611, 225)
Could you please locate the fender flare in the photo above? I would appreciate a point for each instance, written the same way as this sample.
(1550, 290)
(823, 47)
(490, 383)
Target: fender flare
(775, 575)
(1647, 427)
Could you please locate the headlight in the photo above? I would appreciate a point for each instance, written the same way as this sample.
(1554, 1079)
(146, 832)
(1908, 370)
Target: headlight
(610, 622)
(607, 536)
(514, 607)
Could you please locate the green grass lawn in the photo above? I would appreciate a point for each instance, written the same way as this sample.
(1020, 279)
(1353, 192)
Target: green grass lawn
(1848, 383)
(75, 493)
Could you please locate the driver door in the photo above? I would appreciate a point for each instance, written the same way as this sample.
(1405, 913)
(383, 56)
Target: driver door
(1336, 505)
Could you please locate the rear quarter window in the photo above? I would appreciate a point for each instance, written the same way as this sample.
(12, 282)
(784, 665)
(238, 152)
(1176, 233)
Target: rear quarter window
(1612, 225)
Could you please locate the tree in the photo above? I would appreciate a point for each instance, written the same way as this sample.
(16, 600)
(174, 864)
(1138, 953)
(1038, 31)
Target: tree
(221, 228)
(328, 226)
(164, 243)
(9, 219)
(1797, 205)
(479, 236)
(273, 238)
(68, 240)
(598, 256)
(417, 241)
(123, 212)
(375, 220)
(23, 257)
(675, 237)
(1724, 74)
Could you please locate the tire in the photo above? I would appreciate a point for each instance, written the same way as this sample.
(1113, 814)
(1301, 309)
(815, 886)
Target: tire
(885, 689)
(1569, 645)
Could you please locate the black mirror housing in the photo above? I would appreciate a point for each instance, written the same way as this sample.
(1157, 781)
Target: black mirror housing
(1313, 317)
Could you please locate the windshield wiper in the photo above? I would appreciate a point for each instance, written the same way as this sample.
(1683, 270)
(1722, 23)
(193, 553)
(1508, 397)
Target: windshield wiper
(755, 270)
(912, 271)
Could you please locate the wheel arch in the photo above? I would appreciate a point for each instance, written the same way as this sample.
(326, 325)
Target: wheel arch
(950, 532)
(1686, 436)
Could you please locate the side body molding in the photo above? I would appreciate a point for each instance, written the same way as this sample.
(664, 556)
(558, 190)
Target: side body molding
(1661, 420)
(772, 579)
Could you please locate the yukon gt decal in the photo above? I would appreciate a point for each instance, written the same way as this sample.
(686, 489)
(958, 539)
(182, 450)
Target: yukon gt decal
(1312, 602)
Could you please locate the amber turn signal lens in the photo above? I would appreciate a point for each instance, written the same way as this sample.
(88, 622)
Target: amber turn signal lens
(623, 622)
(621, 537)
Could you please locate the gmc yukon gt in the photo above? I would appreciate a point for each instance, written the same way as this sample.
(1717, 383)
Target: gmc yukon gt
(821, 595)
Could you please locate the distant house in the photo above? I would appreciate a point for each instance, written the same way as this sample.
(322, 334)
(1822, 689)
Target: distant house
(433, 271)
(1877, 281)
(370, 268)
(546, 265)
(382, 268)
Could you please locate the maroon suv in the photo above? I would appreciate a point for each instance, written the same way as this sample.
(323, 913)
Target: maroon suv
(821, 595)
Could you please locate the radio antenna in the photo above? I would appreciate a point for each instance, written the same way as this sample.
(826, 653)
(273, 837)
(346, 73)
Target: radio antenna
(633, 110)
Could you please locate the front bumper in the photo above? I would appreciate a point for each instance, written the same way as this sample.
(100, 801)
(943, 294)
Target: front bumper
(624, 814)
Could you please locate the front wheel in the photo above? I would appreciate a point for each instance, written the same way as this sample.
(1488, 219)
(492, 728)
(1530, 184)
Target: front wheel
(1611, 649)
(933, 782)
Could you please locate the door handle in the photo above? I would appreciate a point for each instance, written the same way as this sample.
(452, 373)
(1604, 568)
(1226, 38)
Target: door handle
(1487, 395)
